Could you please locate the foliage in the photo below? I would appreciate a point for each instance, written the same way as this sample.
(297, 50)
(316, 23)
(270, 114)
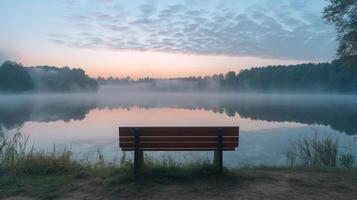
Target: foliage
(61, 79)
(343, 13)
(14, 78)
(337, 76)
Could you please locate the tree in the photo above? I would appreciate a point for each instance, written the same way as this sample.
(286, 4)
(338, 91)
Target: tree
(14, 78)
(54, 79)
(343, 13)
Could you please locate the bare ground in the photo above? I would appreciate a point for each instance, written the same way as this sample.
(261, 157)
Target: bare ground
(261, 184)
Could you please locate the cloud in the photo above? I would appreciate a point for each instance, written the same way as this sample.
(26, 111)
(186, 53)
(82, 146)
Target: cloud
(264, 30)
(147, 9)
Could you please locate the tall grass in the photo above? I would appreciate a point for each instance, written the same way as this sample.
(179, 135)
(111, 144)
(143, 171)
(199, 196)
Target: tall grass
(14, 149)
(17, 156)
(318, 151)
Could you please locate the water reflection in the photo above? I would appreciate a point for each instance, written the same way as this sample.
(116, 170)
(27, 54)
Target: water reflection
(338, 112)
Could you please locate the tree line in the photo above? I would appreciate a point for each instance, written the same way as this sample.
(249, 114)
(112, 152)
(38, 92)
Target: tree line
(338, 76)
(16, 78)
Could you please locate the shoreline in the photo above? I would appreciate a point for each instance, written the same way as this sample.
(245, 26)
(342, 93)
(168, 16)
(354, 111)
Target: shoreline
(158, 183)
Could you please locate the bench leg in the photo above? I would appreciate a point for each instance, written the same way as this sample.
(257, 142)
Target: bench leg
(123, 158)
(141, 158)
(138, 154)
(219, 151)
(138, 161)
(218, 160)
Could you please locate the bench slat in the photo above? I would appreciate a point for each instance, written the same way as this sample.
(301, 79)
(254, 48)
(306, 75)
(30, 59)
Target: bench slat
(174, 144)
(178, 149)
(177, 139)
(178, 145)
(179, 131)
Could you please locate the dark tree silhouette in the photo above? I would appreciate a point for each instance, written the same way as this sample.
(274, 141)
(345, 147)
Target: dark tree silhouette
(339, 76)
(14, 78)
(47, 78)
(343, 13)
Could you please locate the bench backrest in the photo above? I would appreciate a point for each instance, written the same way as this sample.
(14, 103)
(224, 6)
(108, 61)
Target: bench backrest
(178, 138)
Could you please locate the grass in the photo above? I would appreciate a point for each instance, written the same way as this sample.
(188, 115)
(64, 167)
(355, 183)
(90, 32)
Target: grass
(166, 170)
(46, 175)
(25, 171)
(16, 157)
(319, 152)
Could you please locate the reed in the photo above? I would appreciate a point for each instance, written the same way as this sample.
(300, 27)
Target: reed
(318, 152)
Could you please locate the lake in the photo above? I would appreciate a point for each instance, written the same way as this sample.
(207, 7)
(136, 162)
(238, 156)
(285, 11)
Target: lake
(268, 122)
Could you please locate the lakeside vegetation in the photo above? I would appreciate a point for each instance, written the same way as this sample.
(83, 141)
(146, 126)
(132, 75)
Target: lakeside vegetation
(319, 151)
(47, 175)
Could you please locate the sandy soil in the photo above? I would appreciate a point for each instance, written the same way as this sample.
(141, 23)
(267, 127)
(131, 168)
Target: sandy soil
(266, 185)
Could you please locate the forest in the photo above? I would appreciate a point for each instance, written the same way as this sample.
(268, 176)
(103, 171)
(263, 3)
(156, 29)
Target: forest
(338, 76)
(16, 78)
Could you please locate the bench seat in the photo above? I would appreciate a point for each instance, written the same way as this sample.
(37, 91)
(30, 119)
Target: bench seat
(141, 139)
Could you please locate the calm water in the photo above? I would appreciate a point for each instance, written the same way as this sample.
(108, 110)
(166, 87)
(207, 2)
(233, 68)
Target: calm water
(87, 122)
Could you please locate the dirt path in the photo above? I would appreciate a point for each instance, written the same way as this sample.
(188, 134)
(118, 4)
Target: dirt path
(266, 185)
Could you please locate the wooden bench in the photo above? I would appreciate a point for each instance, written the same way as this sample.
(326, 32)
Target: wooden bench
(140, 139)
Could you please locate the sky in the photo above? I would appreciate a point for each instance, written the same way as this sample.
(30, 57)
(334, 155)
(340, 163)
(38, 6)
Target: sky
(171, 38)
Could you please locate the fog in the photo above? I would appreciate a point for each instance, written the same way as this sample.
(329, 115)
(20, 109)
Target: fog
(268, 122)
(164, 85)
(337, 111)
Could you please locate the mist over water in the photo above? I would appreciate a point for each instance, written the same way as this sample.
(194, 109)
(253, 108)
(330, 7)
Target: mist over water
(268, 122)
